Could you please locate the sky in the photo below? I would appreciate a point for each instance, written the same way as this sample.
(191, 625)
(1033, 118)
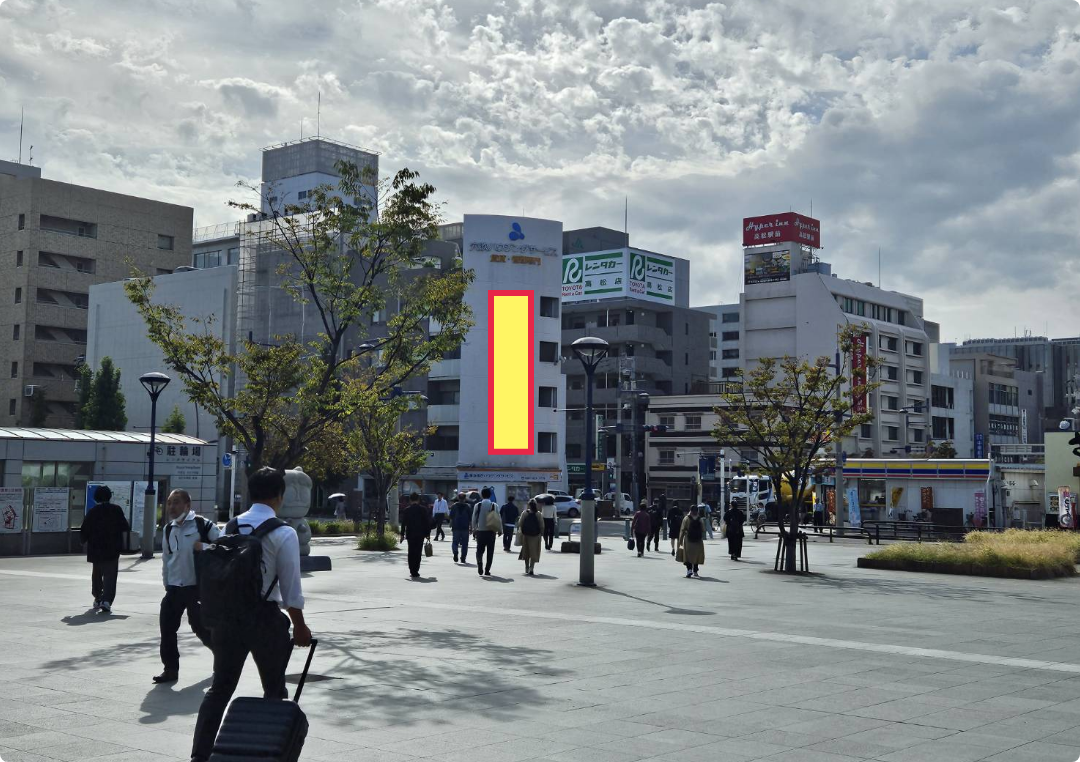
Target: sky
(944, 132)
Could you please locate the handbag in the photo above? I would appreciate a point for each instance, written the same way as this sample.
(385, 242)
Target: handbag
(493, 522)
(428, 550)
(723, 529)
(517, 539)
(680, 556)
(629, 544)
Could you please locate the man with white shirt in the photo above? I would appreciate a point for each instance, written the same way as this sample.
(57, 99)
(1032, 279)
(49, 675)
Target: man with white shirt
(440, 512)
(184, 536)
(266, 635)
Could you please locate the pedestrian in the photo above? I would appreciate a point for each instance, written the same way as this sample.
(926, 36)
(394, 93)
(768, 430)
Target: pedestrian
(819, 517)
(509, 513)
(103, 531)
(692, 540)
(266, 635)
(706, 512)
(339, 508)
(486, 524)
(656, 521)
(415, 530)
(641, 526)
(530, 529)
(460, 521)
(550, 512)
(674, 522)
(440, 512)
(185, 535)
(734, 519)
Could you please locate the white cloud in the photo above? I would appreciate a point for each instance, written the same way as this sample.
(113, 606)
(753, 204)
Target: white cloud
(945, 131)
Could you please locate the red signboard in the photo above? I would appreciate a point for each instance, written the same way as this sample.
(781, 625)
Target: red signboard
(858, 373)
(775, 228)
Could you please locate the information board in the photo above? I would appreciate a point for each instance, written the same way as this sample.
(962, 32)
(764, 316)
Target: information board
(50, 509)
(11, 510)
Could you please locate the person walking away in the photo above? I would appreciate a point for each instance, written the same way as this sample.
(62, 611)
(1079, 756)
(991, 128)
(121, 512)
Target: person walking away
(531, 529)
(674, 522)
(550, 512)
(103, 531)
(706, 511)
(185, 535)
(509, 513)
(339, 509)
(656, 520)
(415, 530)
(265, 634)
(460, 523)
(692, 540)
(735, 519)
(440, 513)
(640, 527)
(486, 524)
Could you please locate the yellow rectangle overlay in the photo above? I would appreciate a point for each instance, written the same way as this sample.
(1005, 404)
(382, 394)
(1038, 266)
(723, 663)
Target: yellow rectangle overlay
(510, 372)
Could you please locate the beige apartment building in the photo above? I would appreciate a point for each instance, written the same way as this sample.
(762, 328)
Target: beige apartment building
(56, 240)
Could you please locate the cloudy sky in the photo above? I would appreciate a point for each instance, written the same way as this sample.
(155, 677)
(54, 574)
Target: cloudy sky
(945, 132)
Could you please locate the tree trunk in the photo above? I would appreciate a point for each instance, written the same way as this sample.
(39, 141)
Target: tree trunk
(382, 489)
(790, 555)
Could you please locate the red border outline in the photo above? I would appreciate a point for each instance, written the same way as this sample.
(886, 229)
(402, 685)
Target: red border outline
(531, 449)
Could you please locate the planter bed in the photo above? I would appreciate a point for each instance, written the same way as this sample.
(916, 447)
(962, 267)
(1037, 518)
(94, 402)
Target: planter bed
(973, 570)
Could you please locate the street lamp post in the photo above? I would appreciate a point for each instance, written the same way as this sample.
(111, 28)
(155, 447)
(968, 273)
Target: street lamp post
(642, 398)
(154, 383)
(590, 350)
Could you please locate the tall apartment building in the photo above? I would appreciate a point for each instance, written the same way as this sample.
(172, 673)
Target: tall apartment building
(1007, 402)
(56, 240)
(724, 337)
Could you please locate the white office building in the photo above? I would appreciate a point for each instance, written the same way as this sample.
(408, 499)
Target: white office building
(724, 337)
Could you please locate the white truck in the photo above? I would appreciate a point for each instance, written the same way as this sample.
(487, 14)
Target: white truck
(755, 496)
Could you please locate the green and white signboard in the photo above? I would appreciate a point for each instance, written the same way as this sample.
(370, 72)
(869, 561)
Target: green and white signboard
(618, 273)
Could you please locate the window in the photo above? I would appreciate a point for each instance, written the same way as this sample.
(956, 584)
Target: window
(22, 226)
(729, 372)
(11, 403)
(693, 423)
(686, 329)
(889, 402)
(888, 343)
(546, 441)
(628, 350)
(549, 351)
(549, 307)
(165, 242)
(667, 420)
(729, 317)
(916, 435)
(892, 373)
(1000, 394)
(15, 332)
(549, 397)
(915, 377)
(575, 415)
(444, 438)
(66, 226)
(14, 369)
(686, 358)
(729, 354)
(865, 431)
(18, 296)
(18, 259)
(942, 396)
(301, 195)
(943, 428)
(629, 317)
(729, 336)
(712, 354)
(853, 306)
(667, 457)
(573, 451)
(233, 256)
(914, 348)
(577, 384)
(892, 433)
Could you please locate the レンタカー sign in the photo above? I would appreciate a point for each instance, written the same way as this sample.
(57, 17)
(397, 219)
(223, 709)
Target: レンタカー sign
(617, 274)
(11, 510)
(50, 509)
(775, 228)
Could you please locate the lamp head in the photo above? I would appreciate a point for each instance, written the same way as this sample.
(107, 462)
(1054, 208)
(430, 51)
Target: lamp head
(590, 350)
(154, 382)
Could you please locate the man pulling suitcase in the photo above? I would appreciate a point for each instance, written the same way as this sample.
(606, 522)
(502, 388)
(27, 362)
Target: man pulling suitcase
(245, 578)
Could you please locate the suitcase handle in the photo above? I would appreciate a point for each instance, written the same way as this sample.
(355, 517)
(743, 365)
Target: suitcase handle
(307, 666)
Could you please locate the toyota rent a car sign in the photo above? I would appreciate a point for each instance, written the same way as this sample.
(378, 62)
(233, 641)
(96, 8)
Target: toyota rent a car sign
(618, 273)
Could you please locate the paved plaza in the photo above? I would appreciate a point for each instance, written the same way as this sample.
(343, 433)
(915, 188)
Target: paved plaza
(743, 664)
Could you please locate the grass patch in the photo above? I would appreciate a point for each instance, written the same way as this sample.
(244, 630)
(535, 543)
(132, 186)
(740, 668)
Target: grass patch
(370, 540)
(1013, 553)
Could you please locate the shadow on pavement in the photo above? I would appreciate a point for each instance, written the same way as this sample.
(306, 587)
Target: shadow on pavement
(165, 701)
(908, 582)
(493, 578)
(90, 617)
(668, 609)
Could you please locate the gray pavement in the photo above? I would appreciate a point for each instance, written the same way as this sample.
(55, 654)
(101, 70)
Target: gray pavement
(741, 665)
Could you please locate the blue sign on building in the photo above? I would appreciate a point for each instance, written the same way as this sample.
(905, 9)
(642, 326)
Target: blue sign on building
(980, 448)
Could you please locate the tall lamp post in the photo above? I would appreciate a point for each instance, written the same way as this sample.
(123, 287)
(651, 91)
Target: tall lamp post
(154, 383)
(590, 350)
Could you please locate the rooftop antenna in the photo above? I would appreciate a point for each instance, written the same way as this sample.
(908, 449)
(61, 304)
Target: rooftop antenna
(21, 120)
(626, 218)
(31, 157)
(318, 116)
(879, 267)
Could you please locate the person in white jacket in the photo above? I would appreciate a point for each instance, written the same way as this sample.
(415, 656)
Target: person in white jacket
(550, 513)
(485, 529)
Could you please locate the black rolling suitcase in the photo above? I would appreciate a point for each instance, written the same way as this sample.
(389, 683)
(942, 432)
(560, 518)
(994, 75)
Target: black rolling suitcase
(264, 730)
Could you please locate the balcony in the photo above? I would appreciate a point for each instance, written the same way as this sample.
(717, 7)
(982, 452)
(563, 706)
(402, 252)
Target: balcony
(445, 369)
(442, 459)
(443, 414)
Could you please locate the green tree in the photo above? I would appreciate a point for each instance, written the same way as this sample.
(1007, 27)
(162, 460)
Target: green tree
(944, 450)
(788, 411)
(345, 263)
(39, 409)
(104, 408)
(175, 423)
(84, 384)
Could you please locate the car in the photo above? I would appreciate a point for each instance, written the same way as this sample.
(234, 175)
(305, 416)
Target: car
(557, 492)
(627, 507)
(566, 506)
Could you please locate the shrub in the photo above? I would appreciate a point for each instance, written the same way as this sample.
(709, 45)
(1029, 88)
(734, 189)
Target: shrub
(332, 527)
(1021, 537)
(372, 541)
(1050, 552)
(316, 527)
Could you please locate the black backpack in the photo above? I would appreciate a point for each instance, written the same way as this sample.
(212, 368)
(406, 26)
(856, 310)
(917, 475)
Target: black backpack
(230, 575)
(693, 532)
(203, 526)
(530, 526)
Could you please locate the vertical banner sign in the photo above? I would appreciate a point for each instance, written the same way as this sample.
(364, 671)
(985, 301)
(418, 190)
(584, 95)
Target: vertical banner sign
(11, 510)
(926, 498)
(858, 373)
(1066, 519)
(50, 509)
(510, 372)
(980, 446)
(980, 508)
(854, 514)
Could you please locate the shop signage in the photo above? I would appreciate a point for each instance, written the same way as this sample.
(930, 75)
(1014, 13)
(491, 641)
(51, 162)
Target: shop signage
(980, 508)
(579, 468)
(775, 228)
(1066, 515)
(858, 373)
(617, 274)
(980, 446)
(766, 266)
(504, 477)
